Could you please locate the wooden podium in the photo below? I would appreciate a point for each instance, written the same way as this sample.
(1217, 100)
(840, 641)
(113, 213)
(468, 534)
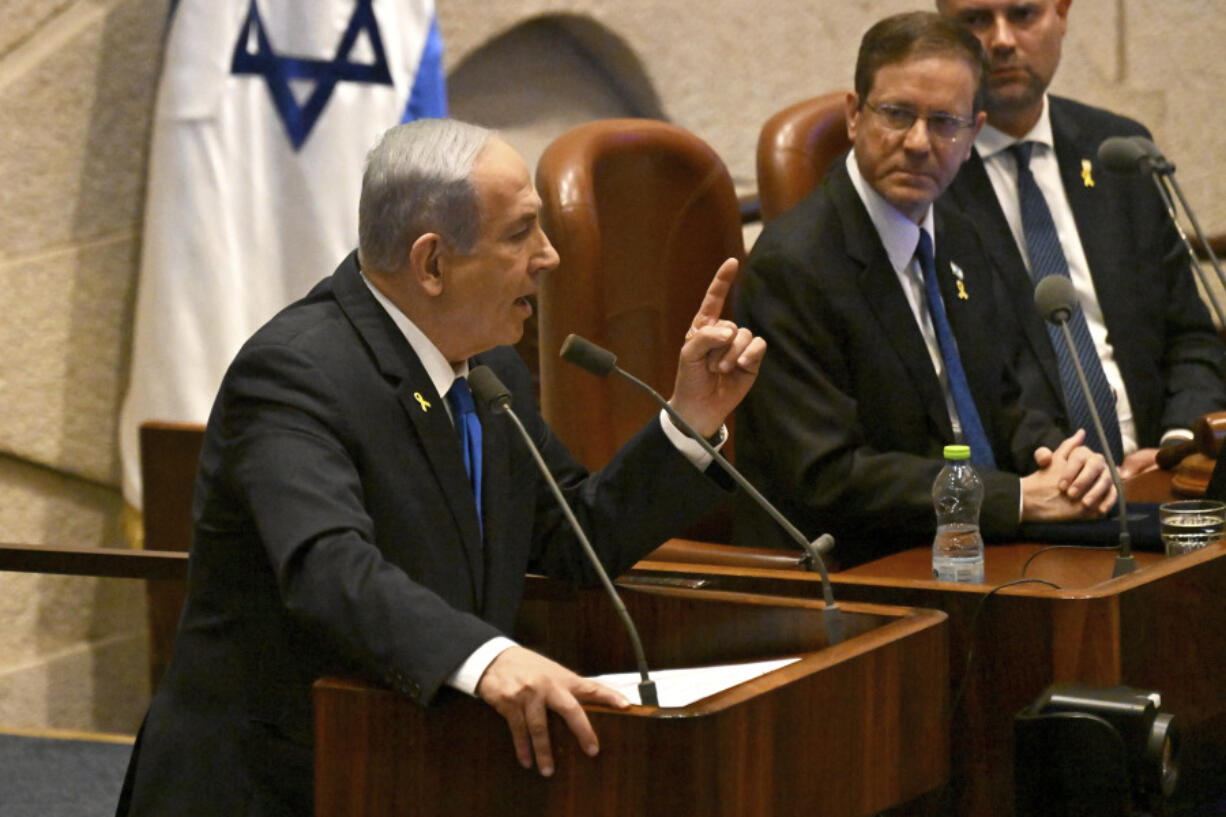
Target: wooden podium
(849, 729)
(1162, 627)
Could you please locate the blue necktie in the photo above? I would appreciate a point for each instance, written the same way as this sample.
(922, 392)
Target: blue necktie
(968, 415)
(468, 431)
(1047, 258)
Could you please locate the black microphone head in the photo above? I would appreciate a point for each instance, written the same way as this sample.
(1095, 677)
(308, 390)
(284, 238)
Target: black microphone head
(1149, 148)
(487, 388)
(587, 355)
(1054, 296)
(1124, 154)
(1154, 159)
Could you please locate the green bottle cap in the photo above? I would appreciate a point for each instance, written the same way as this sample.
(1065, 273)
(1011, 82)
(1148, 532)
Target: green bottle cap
(957, 452)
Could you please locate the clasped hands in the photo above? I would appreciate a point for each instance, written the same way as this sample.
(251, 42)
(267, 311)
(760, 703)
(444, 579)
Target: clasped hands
(1072, 482)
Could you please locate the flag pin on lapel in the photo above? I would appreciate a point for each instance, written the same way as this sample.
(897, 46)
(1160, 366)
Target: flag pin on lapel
(421, 401)
(1086, 177)
(959, 281)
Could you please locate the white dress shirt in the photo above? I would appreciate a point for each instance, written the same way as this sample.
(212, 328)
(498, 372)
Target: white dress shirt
(900, 237)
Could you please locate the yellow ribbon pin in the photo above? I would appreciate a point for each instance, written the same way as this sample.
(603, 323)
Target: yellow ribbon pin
(421, 401)
(959, 277)
(1086, 178)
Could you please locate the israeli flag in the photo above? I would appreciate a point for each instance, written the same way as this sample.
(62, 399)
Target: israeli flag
(265, 113)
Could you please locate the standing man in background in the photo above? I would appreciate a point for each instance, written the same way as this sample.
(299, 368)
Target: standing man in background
(1044, 206)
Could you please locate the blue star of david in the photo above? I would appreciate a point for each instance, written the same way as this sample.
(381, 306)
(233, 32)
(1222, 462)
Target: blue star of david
(278, 70)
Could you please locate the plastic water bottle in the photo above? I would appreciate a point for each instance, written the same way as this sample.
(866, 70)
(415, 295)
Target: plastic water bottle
(957, 493)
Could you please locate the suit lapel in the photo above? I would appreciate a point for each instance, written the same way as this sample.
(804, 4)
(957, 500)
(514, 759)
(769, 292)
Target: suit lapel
(976, 197)
(1090, 205)
(423, 406)
(966, 291)
(437, 435)
(495, 484)
(881, 290)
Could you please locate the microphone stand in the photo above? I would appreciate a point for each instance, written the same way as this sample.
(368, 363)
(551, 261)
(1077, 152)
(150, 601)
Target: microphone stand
(1165, 170)
(1136, 154)
(598, 361)
(499, 399)
(1124, 562)
(1163, 175)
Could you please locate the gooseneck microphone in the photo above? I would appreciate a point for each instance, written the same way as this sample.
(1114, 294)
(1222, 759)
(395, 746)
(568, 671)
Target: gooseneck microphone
(601, 362)
(1055, 298)
(1132, 154)
(1136, 154)
(487, 388)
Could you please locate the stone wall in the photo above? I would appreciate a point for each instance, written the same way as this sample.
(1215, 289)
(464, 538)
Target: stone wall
(76, 91)
(77, 80)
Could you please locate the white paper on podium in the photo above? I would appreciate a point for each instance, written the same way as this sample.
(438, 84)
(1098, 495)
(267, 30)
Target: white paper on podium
(682, 687)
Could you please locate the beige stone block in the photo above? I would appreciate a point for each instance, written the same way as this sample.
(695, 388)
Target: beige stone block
(533, 84)
(99, 687)
(718, 70)
(21, 19)
(1177, 46)
(75, 115)
(1093, 53)
(73, 651)
(46, 614)
(66, 348)
(40, 506)
(42, 613)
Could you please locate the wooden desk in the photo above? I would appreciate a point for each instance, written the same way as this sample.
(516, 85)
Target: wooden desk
(802, 740)
(1162, 627)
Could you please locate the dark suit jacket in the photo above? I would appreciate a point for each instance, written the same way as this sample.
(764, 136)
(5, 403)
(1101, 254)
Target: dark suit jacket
(1169, 355)
(335, 533)
(845, 426)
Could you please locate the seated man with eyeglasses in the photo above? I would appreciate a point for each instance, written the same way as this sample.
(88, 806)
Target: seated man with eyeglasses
(878, 309)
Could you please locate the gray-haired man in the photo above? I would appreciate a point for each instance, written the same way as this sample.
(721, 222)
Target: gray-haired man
(343, 527)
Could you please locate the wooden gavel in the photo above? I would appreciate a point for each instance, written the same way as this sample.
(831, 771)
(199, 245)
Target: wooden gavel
(1207, 439)
(1191, 461)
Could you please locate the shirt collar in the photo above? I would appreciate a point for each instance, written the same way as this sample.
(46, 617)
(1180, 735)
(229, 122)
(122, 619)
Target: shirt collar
(440, 371)
(992, 141)
(899, 234)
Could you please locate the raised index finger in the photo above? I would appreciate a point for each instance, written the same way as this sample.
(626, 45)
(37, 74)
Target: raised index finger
(717, 293)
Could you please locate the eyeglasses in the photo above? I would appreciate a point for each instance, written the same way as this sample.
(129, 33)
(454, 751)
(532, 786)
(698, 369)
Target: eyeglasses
(942, 126)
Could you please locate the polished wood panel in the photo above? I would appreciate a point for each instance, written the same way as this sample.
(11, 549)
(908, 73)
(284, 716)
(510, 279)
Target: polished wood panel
(688, 550)
(833, 734)
(169, 454)
(1152, 486)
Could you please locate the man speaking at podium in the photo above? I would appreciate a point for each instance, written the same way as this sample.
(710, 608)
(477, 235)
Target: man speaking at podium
(879, 312)
(355, 514)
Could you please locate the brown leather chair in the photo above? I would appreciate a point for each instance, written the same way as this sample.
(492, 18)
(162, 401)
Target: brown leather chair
(642, 214)
(795, 149)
